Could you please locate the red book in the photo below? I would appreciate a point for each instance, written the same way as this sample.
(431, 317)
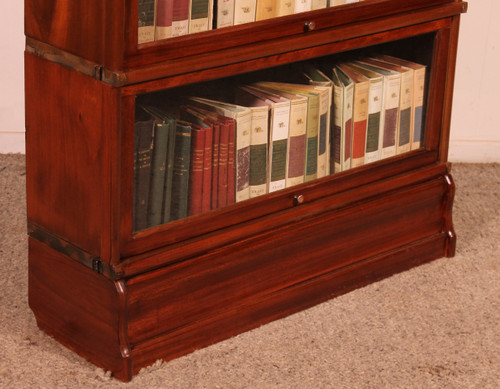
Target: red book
(231, 171)
(223, 165)
(198, 136)
(215, 164)
(206, 204)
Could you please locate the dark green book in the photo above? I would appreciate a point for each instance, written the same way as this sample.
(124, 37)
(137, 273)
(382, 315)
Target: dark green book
(143, 152)
(170, 128)
(158, 169)
(146, 21)
(180, 179)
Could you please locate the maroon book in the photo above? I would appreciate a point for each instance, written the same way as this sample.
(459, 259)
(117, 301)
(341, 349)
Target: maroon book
(231, 170)
(198, 136)
(223, 165)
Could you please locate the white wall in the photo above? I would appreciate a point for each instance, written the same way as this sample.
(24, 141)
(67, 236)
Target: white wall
(11, 77)
(475, 126)
(475, 129)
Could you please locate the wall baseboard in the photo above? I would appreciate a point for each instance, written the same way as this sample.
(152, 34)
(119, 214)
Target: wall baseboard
(474, 151)
(12, 142)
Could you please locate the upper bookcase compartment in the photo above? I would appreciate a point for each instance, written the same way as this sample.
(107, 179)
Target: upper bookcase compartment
(101, 38)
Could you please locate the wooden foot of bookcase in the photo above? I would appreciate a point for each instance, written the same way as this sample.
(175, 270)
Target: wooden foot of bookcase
(124, 325)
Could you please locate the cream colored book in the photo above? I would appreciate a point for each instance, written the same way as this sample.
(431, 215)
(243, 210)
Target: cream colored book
(200, 16)
(419, 74)
(321, 119)
(375, 123)
(225, 13)
(296, 136)
(343, 109)
(390, 112)
(259, 140)
(244, 11)
(302, 6)
(278, 137)
(313, 123)
(359, 115)
(266, 9)
(405, 124)
(285, 7)
(317, 78)
(318, 4)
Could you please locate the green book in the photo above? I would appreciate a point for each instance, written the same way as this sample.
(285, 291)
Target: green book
(143, 151)
(180, 178)
(146, 21)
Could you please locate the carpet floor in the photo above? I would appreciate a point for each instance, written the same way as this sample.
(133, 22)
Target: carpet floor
(435, 326)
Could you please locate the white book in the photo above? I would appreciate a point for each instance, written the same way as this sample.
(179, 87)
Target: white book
(225, 13)
(244, 11)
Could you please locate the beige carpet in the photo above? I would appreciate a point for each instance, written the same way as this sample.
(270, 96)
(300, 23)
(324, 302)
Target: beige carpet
(436, 326)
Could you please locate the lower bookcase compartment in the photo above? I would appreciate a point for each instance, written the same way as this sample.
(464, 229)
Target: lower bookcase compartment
(127, 324)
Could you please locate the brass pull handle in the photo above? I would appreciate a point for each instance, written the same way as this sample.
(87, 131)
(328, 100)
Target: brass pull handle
(298, 199)
(309, 26)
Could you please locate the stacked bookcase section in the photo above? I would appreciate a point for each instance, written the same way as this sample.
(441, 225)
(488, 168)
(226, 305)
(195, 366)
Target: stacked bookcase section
(171, 182)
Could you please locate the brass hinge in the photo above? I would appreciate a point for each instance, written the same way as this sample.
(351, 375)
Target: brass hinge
(75, 253)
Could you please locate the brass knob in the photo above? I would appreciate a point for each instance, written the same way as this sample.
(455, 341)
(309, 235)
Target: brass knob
(298, 199)
(309, 26)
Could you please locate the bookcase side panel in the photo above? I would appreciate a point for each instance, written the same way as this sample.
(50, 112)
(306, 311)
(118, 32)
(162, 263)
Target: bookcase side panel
(92, 29)
(69, 154)
(81, 309)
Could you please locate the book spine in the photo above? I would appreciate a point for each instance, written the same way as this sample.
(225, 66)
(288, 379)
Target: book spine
(244, 11)
(338, 139)
(279, 146)
(297, 143)
(258, 156)
(225, 13)
(196, 170)
(360, 119)
(167, 201)
(347, 124)
(164, 15)
(215, 166)
(242, 158)
(143, 145)
(302, 6)
(323, 134)
(418, 102)
(146, 21)
(405, 123)
(180, 179)
(311, 165)
(285, 7)
(199, 16)
(375, 104)
(391, 117)
(318, 4)
(159, 162)
(180, 17)
(206, 203)
(223, 162)
(231, 164)
(265, 9)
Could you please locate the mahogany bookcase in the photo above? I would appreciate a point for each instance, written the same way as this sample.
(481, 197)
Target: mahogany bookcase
(124, 299)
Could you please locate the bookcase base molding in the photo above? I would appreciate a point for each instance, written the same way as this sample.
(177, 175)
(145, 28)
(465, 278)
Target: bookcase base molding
(126, 324)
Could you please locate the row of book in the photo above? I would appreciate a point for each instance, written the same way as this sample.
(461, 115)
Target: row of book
(205, 154)
(162, 19)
